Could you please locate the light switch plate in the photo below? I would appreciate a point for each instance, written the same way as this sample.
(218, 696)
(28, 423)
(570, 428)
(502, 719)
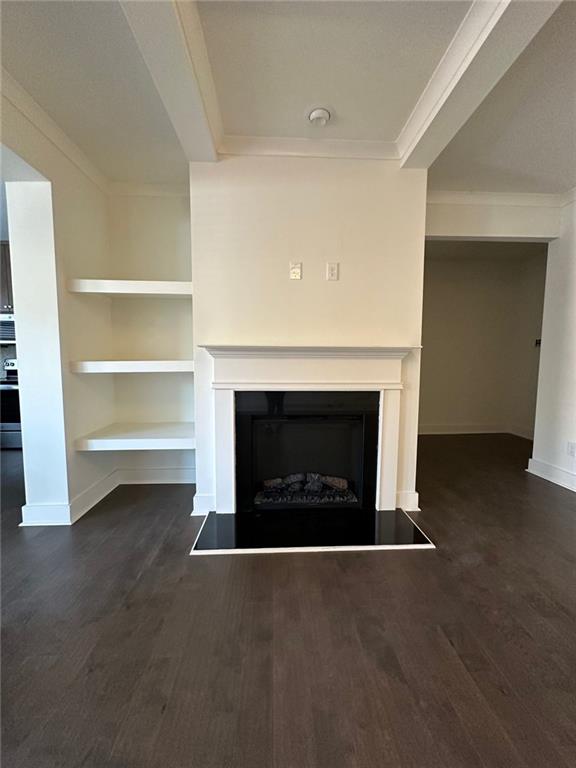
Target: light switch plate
(332, 270)
(295, 270)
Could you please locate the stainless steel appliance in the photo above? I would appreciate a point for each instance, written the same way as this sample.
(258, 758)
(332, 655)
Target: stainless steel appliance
(10, 428)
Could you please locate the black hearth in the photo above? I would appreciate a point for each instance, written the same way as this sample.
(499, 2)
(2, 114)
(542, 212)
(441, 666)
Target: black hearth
(306, 450)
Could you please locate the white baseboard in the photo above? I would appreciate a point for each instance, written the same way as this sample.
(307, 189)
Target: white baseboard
(563, 477)
(407, 501)
(45, 514)
(151, 476)
(67, 514)
(521, 431)
(92, 495)
(460, 429)
(203, 503)
(476, 429)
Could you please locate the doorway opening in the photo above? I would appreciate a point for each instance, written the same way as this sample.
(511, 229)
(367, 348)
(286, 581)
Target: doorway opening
(482, 324)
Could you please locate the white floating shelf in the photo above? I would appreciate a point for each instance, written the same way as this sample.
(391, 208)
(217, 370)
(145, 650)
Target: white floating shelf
(132, 366)
(162, 436)
(166, 288)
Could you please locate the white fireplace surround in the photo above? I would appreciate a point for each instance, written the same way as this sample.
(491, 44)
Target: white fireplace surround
(337, 369)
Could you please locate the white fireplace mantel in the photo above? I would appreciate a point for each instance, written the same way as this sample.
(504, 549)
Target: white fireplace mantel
(288, 368)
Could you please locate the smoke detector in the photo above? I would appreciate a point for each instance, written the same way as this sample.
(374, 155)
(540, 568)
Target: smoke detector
(319, 116)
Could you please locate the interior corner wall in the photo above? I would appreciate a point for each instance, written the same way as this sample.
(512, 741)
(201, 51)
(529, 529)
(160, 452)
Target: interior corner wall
(150, 240)
(482, 315)
(81, 249)
(252, 216)
(556, 403)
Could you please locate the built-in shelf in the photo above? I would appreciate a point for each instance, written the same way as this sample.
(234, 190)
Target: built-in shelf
(161, 436)
(166, 288)
(132, 366)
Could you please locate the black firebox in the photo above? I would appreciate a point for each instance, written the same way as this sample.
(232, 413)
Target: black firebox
(306, 450)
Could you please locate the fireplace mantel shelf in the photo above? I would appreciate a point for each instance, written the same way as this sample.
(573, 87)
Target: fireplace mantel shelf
(238, 351)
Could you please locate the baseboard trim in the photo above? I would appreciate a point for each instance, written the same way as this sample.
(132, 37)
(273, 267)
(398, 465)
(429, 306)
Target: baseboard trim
(407, 501)
(553, 474)
(68, 514)
(461, 429)
(159, 476)
(84, 501)
(45, 514)
(203, 503)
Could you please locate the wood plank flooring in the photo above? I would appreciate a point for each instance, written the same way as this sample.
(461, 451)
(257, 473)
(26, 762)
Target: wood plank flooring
(120, 651)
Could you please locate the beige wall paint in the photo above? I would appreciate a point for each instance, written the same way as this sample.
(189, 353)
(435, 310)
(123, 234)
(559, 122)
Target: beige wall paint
(556, 406)
(149, 234)
(150, 240)
(251, 216)
(482, 313)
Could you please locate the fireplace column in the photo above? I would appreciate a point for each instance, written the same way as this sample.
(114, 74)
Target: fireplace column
(388, 437)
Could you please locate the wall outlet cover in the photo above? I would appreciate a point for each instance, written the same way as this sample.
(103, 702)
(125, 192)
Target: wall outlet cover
(295, 270)
(332, 270)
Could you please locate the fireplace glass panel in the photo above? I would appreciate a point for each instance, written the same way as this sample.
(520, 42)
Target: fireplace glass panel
(306, 449)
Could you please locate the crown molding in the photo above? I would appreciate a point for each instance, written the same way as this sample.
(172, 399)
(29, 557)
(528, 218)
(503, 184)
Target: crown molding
(516, 199)
(569, 197)
(128, 189)
(33, 112)
(298, 147)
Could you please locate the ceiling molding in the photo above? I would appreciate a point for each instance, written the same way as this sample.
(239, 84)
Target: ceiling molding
(198, 52)
(489, 40)
(569, 197)
(298, 147)
(32, 111)
(126, 189)
(177, 72)
(516, 199)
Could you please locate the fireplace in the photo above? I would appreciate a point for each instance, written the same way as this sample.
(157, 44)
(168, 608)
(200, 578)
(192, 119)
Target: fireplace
(300, 450)
(306, 446)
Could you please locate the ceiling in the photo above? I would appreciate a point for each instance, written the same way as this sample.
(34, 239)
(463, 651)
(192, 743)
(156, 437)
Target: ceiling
(271, 62)
(367, 63)
(80, 62)
(522, 138)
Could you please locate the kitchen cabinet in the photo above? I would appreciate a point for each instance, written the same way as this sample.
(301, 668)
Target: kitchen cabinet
(6, 299)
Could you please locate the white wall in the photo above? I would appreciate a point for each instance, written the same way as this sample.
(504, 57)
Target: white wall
(149, 233)
(150, 240)
(39, 349)
(498, 216)
(251, 216)
(136, 233)
(80, 210)
(556, 405)
(482, 315)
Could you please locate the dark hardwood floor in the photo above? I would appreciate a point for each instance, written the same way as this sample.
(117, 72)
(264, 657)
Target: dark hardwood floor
(120, 651)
